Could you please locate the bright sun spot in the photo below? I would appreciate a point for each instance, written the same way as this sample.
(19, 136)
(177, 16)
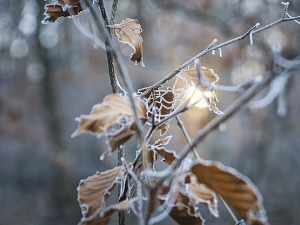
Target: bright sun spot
(196, 98)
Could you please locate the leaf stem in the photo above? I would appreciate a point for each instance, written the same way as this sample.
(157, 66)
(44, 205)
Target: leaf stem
(229, 210)
(186, 135)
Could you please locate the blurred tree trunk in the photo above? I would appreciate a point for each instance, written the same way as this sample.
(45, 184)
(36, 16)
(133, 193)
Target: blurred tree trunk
(61, 179)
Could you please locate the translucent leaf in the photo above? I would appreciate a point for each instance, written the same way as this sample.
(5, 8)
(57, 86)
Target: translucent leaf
(129, 32)
(160, 104)
(113, 118)
(201, 92)
(236, 189)
(208, 79)
(63, 8)
(93, 192)
(182, 211)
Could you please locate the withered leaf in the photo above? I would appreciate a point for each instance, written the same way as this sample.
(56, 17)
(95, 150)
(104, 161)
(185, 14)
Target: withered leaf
(159, 102)
(105, 215)
(94, 191)
(64, 8)
(182, 211)
(236, 189)
(207, 81)
(69, 2)
(159, 148)
(200, 193)
(206, 85)
(129, 32)
(113, 118)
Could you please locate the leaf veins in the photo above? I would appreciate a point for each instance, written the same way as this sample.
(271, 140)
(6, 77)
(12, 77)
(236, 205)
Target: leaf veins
(236, 189)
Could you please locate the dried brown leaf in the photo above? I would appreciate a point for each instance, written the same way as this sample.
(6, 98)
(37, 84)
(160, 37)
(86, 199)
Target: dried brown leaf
(182, 211)
(236, 189)
(64, 8)
(70, 2)
(129, 32)
(209, 78)
(163, 128)
(159, 148)
(113, 118)
(159, 102)
(93, 192)
(105, 215)
(200, 193)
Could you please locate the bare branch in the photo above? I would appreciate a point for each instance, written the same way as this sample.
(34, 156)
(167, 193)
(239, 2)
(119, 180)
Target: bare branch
(214, 124)
(211, 48)
(126, 80)
(109, 53)
(186, 135)
(114, 9)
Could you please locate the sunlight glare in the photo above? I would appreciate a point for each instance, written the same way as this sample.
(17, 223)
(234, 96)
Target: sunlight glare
(196, 98)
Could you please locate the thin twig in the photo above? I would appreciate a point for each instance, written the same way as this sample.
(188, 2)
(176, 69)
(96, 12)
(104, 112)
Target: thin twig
(186, 135)
(125, 78)
(108, 48)
(214, 124)
(229, 210)
(241, 88)
(114, 9)
(113, 82)
(210, 48)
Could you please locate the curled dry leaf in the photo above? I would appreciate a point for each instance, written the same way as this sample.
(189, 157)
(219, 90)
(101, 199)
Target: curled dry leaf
(182, 211)
(113, 118)
(129, 32)
(159, 148)
(236, 189)
(64, 8)
(94, 191)
(203, 89)
(159, 102)
(106, 214)
(199, 193)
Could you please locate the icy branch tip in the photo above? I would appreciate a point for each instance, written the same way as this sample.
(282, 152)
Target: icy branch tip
(285, 3)
(258, 78)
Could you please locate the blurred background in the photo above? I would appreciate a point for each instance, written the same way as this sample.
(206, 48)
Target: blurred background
(51, 74)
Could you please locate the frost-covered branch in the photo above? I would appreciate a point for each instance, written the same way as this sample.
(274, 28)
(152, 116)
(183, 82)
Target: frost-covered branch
(109, 53)
(214, 124)
(212, 47)
(125, 78)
